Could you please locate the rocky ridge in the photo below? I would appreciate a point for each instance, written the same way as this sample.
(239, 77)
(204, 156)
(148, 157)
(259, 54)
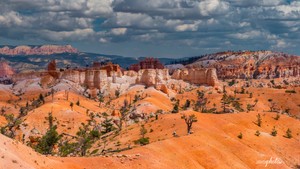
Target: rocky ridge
(37, 50)
(247, 64)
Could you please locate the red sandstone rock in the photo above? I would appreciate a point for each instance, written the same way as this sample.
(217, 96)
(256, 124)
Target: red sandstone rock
(110, 68)
(52, 69)
(148, 63)
(5, 70)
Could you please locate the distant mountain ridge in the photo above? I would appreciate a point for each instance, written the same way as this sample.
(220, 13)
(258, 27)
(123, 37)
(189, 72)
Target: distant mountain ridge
(36, 57)
(229, 55)
(37, 50)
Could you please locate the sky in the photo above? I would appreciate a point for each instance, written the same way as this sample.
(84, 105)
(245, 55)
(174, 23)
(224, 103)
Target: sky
(157, 28)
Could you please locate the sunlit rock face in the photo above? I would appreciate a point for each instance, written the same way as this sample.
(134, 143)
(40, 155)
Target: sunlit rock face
(197, 76)
(152, 77)
(130, 73)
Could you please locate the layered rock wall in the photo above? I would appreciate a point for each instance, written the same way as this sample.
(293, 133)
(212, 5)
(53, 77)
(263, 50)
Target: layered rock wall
(152, 77)
(197, 76)
(147, 63)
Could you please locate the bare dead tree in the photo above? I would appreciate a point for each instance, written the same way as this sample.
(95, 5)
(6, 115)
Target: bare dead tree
(189, 120)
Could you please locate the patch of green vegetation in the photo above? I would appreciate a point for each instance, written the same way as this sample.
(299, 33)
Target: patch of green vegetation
(142, 141)
(257, 133)
(290, 91)
(240, 136)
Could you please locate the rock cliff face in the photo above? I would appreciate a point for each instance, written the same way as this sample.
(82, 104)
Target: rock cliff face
(152, 77)
(197, 76)
(28, 75)
(37, 50)
(130, 73)
(75, 76)
(256, 65)
(5, 70)
(52, 69)
(148, 63)
(95, 78)
(112, 69)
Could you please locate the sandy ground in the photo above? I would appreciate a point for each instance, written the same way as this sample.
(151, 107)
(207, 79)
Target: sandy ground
(213, 144)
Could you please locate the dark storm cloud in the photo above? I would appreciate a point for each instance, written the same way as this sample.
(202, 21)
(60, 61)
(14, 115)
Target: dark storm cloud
(196, 25)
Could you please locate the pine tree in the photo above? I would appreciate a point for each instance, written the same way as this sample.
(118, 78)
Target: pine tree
(71, 105)
(176, 107)
(107, 125)
(187, 104)
(274, 132)
(288, 133)
(257, 133)
(85, 141)
(277, 116)
(123, 113)
(143, 131)
(225, 102)
(46, 143)
(258, 122)
(41, 98)
(240, 136)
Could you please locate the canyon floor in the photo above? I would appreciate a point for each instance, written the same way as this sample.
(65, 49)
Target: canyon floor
(215, 141)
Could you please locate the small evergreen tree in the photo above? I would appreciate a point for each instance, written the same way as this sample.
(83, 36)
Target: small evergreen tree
(277, 116)
(67, 148)
(71, 105)
(225, 102)
(78, 103)
(107, 125)
(249, 107)
(243, 90)
(240, 136)
(46, 143)
(274, 132)
(123, 114)
(258, 121)
(117, 93)
(176, 107)
(187, 104)
(200, 102)
(143, 131)
(101, 97)
(86, 138)
(288, 133)
(136, 98)
(41, 98)
(257, 133)
(12, 124)
(143, 140)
